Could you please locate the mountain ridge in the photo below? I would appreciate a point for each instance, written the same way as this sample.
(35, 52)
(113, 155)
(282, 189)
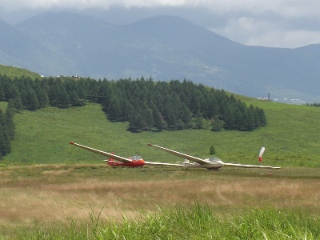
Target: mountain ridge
(163, 47)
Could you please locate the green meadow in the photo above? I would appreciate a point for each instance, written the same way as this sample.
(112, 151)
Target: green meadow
(290, 138)
(53, 190)
(17, 72)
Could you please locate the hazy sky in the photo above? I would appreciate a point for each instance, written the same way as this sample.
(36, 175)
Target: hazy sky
(274, 23)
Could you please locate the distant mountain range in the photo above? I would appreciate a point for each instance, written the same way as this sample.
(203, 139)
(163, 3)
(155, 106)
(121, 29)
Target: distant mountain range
(162, 47)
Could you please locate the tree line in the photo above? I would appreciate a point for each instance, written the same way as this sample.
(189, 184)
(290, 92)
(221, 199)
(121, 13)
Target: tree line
(315, 104)
(7, 128)
(147, 105)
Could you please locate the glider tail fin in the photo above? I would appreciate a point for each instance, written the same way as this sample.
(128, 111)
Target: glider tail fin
(261, 153)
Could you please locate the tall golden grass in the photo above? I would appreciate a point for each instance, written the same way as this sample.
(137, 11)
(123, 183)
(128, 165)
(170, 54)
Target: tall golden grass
(49, 194)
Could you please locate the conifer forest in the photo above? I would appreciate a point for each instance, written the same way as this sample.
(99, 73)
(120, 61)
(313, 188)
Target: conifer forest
(145, 104)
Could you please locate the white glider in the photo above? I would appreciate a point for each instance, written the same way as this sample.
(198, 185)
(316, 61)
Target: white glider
(210, 163)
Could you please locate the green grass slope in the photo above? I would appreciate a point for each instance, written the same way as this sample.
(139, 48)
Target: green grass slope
(17, 72)
(42, 137)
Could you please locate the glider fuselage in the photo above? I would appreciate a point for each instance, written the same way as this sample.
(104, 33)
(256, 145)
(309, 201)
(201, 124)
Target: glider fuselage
(134, 163)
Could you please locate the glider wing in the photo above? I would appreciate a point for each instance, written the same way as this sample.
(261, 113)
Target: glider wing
(182, 155)
(164, 164)
(249, 166)
(106, 154)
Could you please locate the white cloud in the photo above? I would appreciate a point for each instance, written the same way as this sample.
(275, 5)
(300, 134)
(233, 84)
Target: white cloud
(254, 31)
(278, 23)
(288, 7)
(80, 4)
(292, 39)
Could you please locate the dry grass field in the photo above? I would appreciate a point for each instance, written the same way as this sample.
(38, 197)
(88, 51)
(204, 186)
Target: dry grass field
(60, 193)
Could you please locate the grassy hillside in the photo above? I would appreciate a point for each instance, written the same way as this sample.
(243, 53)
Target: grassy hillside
(49, 196)
(17, 72)
(290, 137)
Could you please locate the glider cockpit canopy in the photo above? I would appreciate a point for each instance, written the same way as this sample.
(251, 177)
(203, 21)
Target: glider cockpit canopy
(135, 158)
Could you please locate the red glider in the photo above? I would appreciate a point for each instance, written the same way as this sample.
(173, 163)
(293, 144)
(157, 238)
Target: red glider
(118, 161)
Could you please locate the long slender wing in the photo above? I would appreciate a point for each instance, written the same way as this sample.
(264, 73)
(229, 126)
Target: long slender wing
(106, 154)
(249, 166)
(164, 164)
(182, 155)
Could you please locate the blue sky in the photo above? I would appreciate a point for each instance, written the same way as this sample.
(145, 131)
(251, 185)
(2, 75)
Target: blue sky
(273, 23)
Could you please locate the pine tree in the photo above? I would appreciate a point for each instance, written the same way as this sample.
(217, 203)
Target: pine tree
(114, 112)
(212, 150)
(212, 107)
(8, 87)
(17, 103)
(136, 123)
(42, 96)
(229, 121)
(2, 95)
(3, 142)
(217, 125)
(198, 121)
(127, 109)
(170, 117)
(157, 119)
(63, 98)
(10, 126)
(31, 100)
(262, 121)
(53, 95)
(195, 103)
(93, 89)
(240, 120)
(185, 116)
(250, 119)
(149, 119)
(2, 118)
(74, 99)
